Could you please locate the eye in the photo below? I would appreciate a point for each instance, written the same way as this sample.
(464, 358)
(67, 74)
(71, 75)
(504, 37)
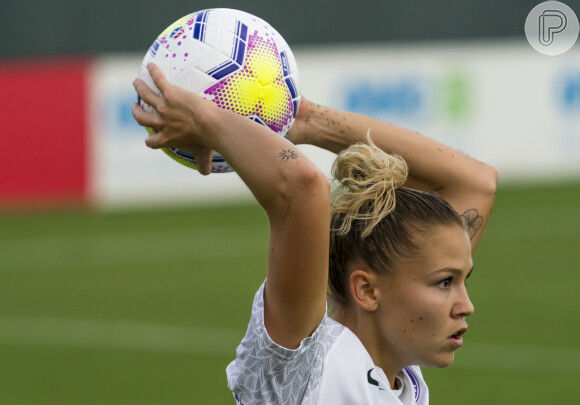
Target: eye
(445, 283)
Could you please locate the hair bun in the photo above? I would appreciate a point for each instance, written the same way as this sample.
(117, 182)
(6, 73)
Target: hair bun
(368, 178)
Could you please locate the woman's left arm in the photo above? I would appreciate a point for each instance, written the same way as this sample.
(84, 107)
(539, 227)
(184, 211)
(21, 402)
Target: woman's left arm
(466, 183)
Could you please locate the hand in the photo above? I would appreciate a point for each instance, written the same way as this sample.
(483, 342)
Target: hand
(177, 116)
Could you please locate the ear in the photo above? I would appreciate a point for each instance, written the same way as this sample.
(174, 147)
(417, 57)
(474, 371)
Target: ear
(363, 287)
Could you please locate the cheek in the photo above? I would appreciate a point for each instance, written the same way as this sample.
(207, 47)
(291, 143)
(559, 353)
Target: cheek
(424, 315)
(419, 323)
(427, 325)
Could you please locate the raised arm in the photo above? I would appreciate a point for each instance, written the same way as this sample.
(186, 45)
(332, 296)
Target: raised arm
(292, 191)
(466, 183)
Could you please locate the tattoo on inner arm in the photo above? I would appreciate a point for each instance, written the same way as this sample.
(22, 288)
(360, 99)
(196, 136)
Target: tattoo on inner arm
(472, 221)
(287, 154)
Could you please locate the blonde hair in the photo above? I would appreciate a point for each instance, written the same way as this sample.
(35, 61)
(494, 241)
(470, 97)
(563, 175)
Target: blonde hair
(375, 219)
(367, 176)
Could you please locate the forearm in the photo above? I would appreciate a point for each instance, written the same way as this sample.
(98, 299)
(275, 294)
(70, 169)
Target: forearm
(433, 166)
(270, 165)
(295, 195)
(464, 182)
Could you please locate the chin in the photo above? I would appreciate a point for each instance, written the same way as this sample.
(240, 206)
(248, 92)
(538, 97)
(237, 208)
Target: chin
(440, 362)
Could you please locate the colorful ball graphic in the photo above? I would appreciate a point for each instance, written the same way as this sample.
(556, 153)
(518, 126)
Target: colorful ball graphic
(233, 58)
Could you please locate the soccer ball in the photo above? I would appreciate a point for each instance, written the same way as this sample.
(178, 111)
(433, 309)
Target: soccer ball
(234, 59)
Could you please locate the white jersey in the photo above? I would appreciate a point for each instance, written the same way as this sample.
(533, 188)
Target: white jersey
(330, 367)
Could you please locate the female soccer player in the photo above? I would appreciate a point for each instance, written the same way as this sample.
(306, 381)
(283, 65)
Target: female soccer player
(399, 251)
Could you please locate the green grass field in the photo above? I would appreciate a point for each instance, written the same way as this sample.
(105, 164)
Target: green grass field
(148, 307)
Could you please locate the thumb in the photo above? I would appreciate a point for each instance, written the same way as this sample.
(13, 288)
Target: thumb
(154, 141)
(203, 158)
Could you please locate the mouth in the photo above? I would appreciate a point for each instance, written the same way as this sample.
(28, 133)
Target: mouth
(456, 339)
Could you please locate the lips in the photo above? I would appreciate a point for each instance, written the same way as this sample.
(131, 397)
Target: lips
(458, 334)
(455, 340)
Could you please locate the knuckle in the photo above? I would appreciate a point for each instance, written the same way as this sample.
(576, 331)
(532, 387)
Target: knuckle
(169, 94)
(162, 108)
(157, 122)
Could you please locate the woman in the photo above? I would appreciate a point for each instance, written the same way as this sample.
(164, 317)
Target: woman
(399, 257)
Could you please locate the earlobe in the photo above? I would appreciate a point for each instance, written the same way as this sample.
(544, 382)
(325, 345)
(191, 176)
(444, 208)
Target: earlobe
(363, 287)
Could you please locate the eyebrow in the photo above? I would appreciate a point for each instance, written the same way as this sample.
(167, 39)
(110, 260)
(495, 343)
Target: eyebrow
(454, 271)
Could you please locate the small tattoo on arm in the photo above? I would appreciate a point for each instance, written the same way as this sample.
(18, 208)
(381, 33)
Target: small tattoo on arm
(287, 154)
(438, 189)
(472, 221)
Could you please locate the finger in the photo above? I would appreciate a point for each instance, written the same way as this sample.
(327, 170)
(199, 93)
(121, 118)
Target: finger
(154, 141)
(144, 118)
(146, 93)
(158, 78)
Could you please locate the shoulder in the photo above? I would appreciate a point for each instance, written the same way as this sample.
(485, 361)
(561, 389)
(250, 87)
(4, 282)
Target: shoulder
(331, 366)
(267, 373)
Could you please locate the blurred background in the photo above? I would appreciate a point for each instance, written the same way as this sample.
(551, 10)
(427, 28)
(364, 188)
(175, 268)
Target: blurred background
(126, 278)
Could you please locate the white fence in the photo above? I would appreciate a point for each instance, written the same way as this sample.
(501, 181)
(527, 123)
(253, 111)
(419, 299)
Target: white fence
(501, 102)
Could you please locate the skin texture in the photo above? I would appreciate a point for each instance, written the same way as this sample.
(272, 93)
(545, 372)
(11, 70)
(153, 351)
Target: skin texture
(464, 182)
(282, 180)
(295, 196)
(406, 316)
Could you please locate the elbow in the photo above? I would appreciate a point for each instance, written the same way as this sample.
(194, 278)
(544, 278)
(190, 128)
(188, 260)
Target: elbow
(307, 185)
(488, 184)
(491, 176)
(312, 182)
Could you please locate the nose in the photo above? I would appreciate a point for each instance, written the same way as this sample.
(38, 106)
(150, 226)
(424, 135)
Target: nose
(463, 307)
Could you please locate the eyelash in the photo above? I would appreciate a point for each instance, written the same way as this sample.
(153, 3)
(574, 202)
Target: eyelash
(449, 280)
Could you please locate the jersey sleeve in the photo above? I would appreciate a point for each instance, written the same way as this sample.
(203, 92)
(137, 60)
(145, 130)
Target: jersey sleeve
(267, 373)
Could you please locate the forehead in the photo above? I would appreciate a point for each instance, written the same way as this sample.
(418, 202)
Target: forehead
(443, 247)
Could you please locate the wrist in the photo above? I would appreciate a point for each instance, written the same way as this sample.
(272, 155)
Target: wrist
(207, 118)
(303, 130)
(325, 127)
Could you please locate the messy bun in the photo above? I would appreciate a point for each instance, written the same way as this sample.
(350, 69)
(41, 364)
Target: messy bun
(368, 178)
(375, 218)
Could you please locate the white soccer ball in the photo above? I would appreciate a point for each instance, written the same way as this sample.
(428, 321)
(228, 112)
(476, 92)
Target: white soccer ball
(233, 58)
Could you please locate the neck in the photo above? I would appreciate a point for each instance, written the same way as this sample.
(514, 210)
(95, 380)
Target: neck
(363, 325)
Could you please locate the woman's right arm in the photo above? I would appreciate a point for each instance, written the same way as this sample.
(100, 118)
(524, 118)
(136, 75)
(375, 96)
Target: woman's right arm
(292, 191)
